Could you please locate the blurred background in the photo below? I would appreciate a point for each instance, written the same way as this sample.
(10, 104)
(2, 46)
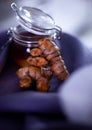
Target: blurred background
(73, 16)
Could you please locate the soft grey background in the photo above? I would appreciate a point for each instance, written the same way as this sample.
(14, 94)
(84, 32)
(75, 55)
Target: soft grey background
(73, 16)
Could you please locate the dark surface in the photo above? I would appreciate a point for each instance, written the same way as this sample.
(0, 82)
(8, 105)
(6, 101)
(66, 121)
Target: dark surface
(32, 110)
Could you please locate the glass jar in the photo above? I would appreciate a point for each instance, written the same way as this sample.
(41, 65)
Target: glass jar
(34, 24)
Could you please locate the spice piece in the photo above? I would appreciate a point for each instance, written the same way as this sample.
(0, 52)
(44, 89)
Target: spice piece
(35, 52)
(25, 82)
(37, 61)
(42, 84)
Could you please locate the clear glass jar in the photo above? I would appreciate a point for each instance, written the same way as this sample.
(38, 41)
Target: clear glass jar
(34, 24)
(23, 41)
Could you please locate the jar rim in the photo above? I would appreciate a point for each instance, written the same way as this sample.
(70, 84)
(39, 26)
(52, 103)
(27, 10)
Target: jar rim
(18, 30)
(25, 38)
